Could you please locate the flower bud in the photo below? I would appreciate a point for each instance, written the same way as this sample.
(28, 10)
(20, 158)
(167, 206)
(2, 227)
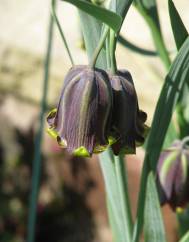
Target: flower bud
(80, 122)
(172, 173)
(127, 125)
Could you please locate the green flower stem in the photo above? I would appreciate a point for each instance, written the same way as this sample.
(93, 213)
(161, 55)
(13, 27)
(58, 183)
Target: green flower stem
(124, 195)
(100, 46)
(53, 2)
(112, 49)
(37, 152)
(108, 52)
(157, 38)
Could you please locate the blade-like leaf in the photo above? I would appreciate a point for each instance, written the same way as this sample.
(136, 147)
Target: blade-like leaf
(120, 7)
(148, 9)
(110, 18)
(135, 48)
(106, 162)
(153, 225)
(175, 80)
(180, 34)
(179, 30)
(91, 37)
(185, 238)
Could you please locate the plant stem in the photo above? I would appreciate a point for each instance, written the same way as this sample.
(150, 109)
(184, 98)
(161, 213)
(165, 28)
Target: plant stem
(157, 38)
(112, 49)
(108, 52)
(124, 195)
(37, 151)
(53, 3)
(99, 47)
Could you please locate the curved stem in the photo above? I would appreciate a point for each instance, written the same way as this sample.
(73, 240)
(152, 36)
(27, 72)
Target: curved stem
(61, 31)
(108, 52)
(100, 46)
(127, 44)
(157, 38)
(36, 169)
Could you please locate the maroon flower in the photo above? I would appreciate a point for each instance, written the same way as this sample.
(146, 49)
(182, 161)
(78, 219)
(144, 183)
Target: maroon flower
(172, 173)
(80, 122)
(127, 124)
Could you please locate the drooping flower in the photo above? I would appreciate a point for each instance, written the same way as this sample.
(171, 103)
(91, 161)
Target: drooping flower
(81, 121)
(127, 124)
(173, 176)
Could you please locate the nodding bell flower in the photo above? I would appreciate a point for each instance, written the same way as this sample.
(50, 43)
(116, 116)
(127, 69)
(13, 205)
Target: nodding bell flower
(127, 124)
(172, 174)
(80, 122)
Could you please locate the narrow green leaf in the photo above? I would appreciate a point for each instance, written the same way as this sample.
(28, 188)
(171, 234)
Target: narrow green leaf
(110, 18)
(180, 34)
(185, 238)
(36, 163)
(107, 166)
(122, 183)
(175, 80)
(148, 9)
(135, 48)
(120, 7)
(153, 222)
(91, 37)
(179, 30)
(171, 135)
(114, 227)
(173, 85)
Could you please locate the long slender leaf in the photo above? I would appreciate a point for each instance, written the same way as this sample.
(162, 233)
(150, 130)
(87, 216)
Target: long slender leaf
(135, 48)
(124, 195)
(175, 80)
(91, 37)
(180, 34)
(107, 166)
(37, 152)
(153, 226)
(120, 7)
(185, 238)
(114, 226)
(148, 9)
(179, 30)
(106, 16)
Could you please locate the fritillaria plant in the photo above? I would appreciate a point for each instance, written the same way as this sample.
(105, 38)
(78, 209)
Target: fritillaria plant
(98, 113)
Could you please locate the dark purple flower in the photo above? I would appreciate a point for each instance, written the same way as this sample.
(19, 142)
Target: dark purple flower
(127, 124)
(172, 173)
(81, 121)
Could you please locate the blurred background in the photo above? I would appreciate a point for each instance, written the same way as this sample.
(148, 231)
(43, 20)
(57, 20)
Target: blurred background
(72, 203)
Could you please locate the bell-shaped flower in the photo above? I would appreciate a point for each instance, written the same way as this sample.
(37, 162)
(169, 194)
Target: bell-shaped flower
(127, 124)
(81, 121)
(172, 174)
